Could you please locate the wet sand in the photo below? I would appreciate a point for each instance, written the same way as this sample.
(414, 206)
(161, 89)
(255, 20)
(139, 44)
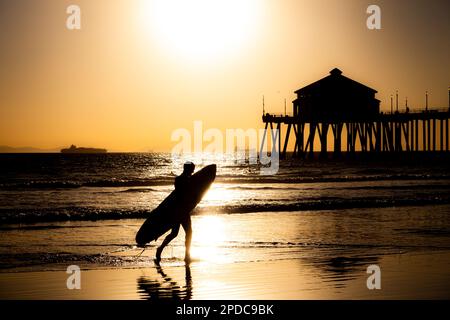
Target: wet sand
(419, 275)
(270, 255)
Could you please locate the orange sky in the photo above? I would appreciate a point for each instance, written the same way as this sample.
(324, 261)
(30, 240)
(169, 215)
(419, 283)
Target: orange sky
(130, 76)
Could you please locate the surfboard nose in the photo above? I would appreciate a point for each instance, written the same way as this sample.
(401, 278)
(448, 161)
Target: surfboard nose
(212, 169)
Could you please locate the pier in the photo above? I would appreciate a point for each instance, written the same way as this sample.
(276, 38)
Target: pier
(399, 132)
(341, 111)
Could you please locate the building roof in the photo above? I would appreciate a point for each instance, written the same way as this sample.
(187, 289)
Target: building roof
(335, 75)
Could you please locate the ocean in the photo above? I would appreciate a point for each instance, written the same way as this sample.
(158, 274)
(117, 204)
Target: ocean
(335, 216)
(57, 187)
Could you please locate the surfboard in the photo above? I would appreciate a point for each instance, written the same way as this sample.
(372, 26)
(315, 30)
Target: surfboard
(176, 206)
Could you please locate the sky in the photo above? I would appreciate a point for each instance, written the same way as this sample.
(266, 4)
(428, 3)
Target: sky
(139, 69)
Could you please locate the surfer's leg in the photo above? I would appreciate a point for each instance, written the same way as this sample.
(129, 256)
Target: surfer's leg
(188, 230)
(166, 241)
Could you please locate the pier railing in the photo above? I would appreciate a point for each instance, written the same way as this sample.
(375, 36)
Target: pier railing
(404, 131)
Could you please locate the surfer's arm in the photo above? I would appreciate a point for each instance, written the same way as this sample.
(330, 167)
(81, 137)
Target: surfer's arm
(181, 183)
(177, 183)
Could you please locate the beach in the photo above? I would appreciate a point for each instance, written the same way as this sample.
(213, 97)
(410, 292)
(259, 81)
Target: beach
(422, 278)
(303, 147)
(310, 232)
(228, 265)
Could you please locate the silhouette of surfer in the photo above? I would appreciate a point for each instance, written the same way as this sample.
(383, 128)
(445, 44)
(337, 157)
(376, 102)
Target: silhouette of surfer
(181, 186)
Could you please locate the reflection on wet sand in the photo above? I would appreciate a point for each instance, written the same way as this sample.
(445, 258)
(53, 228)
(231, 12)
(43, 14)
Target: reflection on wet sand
(331, 271)
(165, 287)
(341, 269)
(418, 275)
(336, 267)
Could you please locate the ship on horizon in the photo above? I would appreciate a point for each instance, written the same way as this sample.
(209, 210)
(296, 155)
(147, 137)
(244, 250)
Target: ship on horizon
(74, 149)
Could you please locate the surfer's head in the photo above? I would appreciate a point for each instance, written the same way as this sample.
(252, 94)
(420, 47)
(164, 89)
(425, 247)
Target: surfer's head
(188, 168)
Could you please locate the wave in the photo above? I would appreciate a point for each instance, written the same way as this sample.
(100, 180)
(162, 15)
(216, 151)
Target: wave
(138, 190)
(243, 179)
(326, 204)
(340, 187)
(41, 185)
(99, 183)
(263, 188)
(291, 179)
(8, 216)
(119, 254)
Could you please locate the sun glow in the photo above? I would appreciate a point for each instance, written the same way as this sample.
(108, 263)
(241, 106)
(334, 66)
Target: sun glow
(202, 30)
(219, 194)
(209, 233)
